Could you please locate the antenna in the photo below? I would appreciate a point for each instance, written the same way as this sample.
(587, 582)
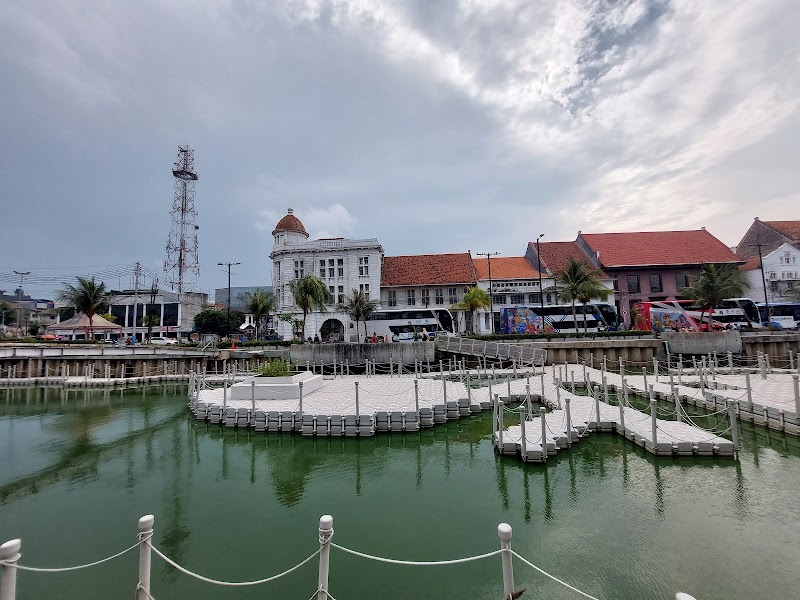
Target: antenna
(182, 264)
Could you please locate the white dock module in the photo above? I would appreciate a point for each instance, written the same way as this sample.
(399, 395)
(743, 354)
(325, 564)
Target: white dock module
(276, 388)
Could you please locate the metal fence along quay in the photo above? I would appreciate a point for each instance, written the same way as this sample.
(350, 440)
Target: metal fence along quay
(10, 557)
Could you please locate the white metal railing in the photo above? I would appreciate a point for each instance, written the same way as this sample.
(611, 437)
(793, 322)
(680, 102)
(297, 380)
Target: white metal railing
(525, 354)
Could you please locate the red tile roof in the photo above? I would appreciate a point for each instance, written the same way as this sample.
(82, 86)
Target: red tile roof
(427, 269)
(646, 248)
(791, 229)
(556, 255)
(511, 267)
(751, 264)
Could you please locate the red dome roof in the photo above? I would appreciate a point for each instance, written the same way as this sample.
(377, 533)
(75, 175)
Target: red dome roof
(290, 223)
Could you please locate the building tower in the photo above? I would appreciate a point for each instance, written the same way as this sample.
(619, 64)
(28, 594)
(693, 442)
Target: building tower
(182, 265)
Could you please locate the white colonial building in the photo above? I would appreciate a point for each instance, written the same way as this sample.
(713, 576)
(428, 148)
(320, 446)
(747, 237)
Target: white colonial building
(781, 272)
(343, 265)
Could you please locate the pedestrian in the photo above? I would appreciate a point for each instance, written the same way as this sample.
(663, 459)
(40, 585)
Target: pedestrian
(374, 338)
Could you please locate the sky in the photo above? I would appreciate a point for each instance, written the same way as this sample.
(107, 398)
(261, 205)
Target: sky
(435, 126)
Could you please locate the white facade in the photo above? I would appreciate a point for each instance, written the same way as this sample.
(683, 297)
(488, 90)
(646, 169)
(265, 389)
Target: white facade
(343, 264)
(782, 272)
(175, 318)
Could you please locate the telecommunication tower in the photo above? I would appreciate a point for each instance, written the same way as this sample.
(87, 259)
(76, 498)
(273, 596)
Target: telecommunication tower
(182, 265)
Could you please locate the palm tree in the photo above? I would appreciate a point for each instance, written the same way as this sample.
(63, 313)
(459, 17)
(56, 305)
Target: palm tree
(716, 282)
(358, 306)
(474, 299)
(575, 281)
(591, 289)
(87, 297)
(260, 304)
(310, 293)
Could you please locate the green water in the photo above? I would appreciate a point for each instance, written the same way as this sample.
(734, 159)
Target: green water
(79, 469)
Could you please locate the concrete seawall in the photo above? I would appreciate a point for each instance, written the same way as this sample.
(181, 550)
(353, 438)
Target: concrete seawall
(403, 353)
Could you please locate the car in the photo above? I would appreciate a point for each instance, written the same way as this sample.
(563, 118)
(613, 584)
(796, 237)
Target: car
(164, 342)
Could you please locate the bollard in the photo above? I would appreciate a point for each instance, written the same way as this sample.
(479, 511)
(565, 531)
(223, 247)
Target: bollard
(796, 383)
(300, 407)
(644, 375)
(542, 413)
(605, 390)
(749, 390)
(730, 362)
(621, 368)
(569, 421)
(504, 533)
(9, 553)
(734, 425)
(654, 423)
(671, 384)
(441, 368)
(416, 396)
(528, 400)
(678, 416)
(325, 535)
(655, 368)
(145, 534)
(596, 394)
(682, 596)
(523, 440)
(253, 399)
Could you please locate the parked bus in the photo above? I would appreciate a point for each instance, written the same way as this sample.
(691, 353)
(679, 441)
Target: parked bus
(680, 315)
(403, 324)
(599, 316)
(785, 314)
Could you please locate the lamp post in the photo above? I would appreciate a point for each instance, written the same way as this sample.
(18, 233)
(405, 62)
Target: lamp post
(229, 265)
(489, 256)
(19, 300)
(539, 256)
(764, 281)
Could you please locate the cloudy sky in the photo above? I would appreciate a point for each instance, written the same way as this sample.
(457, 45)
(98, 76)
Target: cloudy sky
(436, 126)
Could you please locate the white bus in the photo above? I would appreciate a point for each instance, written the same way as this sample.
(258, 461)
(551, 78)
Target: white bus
(403, 324)
(785, 314)
(595, 316)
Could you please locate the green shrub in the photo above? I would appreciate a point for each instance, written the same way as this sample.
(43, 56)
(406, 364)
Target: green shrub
(275, 368)
(260, 343)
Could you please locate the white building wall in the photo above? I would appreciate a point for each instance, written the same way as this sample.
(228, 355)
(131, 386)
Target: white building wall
(782, 272)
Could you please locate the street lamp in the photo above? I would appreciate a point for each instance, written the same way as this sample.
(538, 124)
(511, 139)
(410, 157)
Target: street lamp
(229, 265)
(539, 256)
(489, 256)
(19, 300)
(764, 281)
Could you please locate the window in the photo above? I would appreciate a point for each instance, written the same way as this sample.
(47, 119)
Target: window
(549, 298)
(392, 298)
(298, 269)
(330, 289)
(330, 262)
(486, 320)
(517, 299)
(411, 297)
(438, 295)
(681, 281)
(363, 265)
(773, 286)
(425, 296)
(278, 270)
(341, 271)
(452, 295)
(364, 287)
(655, 282)
(340, 262)
(341, 294)
(498, 298)
(322, 271)
(633, 284)
(330, 272)
(535, 298)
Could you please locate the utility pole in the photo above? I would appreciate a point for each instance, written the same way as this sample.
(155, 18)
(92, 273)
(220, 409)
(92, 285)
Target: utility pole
(489, 256)
(541, 291)
(764, 281)
(136, 270)
(229, 265)
(19, 299)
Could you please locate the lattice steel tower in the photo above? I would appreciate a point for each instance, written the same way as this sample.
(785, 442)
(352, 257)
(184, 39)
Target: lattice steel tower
(182, 266)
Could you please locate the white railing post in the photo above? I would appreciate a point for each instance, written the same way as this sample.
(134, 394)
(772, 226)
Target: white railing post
(523, 440)
(416, 396)
(528, 400)
(796, 385)
(653, 422)
(596, 396)
(253, 399)
(357, 413)
(504, 533)
(500, 425)
(300, 407)
(734, 425)
(145, 534)
(678, 415)
(749, 390)
(542, 413)
(569, 421)
(325, 535)
(621, 403)
(644, 375)
(9, 553)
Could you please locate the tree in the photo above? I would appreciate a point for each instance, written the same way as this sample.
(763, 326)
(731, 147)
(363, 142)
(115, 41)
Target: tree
(33, 328)
(86, 297)
(474, 299)
(109, 317)
(358, 306)
(215, 321)
(310, 293)
(8, 314)
(575, 281)
(591, 289)
(715, 284)
(260, 304)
